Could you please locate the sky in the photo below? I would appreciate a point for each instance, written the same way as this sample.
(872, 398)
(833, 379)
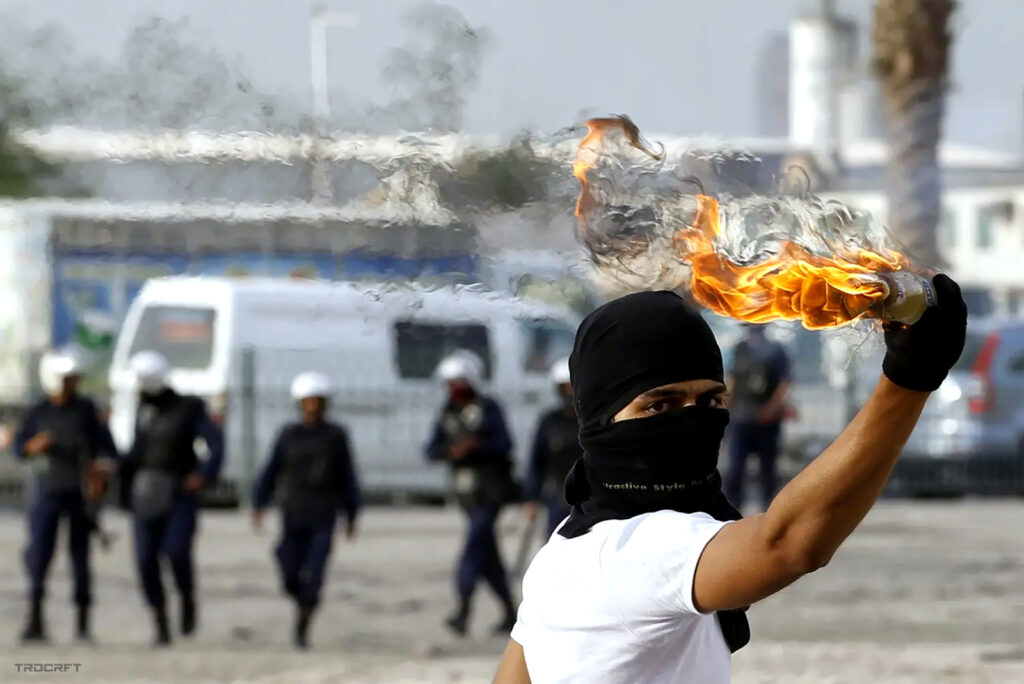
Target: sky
(678, 67)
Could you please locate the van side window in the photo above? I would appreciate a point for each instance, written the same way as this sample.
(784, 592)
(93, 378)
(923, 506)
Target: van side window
(182, 334)
(545, 341)
(421, 346)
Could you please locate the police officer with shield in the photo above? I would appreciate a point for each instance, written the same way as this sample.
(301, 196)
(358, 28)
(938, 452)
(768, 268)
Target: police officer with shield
(556, 447)
(69, 449)
(472, 437)
(164, 478)
(312, 471)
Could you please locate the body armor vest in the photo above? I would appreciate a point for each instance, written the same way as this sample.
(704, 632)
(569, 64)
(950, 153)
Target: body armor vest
(61, 469)
(310, 474)
(167, 435)
(478, 478)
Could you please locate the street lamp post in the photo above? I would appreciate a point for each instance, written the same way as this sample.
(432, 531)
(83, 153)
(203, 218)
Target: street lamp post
(318, 23)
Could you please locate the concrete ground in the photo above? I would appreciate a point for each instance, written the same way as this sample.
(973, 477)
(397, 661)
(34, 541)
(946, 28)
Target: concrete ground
(923, 592)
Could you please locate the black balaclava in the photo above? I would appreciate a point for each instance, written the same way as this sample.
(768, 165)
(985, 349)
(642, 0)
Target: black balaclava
(665, 462)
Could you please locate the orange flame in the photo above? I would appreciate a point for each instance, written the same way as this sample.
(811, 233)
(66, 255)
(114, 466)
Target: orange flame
(794, 284)
(591, 148)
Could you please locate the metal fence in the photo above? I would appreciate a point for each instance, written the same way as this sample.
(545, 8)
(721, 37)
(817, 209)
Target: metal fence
(389, 420)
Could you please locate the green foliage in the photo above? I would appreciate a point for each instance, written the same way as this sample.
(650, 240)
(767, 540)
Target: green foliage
(20, 171)
(505, 179)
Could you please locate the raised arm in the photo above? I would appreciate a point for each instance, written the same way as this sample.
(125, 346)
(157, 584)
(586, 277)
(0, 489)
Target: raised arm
(755, 557)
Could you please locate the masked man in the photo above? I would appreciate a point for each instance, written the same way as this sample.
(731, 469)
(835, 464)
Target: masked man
(556, 448)
(649, 578)
(311, 468)
(472, 437)
(63, 439)
(164, 478)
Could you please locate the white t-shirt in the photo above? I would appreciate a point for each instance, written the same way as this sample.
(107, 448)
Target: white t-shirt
(615, 605)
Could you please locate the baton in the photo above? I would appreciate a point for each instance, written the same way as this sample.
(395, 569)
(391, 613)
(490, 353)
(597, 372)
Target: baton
(525, 545)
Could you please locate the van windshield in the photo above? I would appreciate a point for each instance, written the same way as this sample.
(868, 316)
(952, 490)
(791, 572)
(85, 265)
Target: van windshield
(183, 334)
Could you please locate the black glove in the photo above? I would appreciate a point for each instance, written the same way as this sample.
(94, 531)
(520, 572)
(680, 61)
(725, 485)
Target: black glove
(919, 356)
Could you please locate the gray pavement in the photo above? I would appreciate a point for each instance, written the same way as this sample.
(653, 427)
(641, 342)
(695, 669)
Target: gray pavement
(923, 592)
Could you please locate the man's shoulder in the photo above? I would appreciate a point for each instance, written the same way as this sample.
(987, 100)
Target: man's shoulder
(555, 414)
(188, 402)
(288, 428)
(39, 405)
(85, 401)
(657, 532)
(489, 403)
(670, 517)
(336, 429)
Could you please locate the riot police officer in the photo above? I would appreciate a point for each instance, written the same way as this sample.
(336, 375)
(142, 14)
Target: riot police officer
(311, 468)
(164, 478)
(760, 380)
(472, 437)
(67, 445)
(556, 447)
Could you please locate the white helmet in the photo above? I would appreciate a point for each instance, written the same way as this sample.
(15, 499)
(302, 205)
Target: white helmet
(461, 365)
(559, 373)
(310, 384)
(55, 365)
(150, 369)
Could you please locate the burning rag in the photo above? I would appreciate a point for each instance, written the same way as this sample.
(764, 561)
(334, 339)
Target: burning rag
(665, 462)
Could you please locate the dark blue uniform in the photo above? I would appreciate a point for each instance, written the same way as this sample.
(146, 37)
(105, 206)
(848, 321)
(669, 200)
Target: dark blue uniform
(164, 514)
(311, 470)
(78, 438)
(759, 367)
(556, 447)
(483, 483)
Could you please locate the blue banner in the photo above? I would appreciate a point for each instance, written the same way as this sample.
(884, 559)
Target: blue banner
(92, 290)
(323, 266)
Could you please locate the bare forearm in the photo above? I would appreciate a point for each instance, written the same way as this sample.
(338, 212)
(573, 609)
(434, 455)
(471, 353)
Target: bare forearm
(755, 557)
(822, 505)
(512, 669)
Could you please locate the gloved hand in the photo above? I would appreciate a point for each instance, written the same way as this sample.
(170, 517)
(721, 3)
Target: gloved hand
(919, 356)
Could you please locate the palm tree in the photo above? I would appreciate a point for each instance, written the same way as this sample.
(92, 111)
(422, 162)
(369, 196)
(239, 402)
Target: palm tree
(911, 58)
(20, 170)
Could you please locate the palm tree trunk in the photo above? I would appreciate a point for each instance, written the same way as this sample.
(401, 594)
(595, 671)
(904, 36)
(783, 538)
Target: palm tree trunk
(911, 57)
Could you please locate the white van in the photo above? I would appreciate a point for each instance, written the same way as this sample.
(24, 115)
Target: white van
(237, 342)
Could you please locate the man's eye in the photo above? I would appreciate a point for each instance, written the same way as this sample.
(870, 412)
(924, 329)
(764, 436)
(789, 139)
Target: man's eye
(713, 400)
(656, 407)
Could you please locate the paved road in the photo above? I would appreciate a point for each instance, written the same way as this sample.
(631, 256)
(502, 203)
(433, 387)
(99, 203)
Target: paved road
(924, 592)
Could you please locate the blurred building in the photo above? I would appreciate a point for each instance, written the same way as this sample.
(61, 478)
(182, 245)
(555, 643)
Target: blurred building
(817, 98)
(772, 83)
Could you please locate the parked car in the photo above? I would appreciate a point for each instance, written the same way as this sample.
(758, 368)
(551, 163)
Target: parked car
(970, 438)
